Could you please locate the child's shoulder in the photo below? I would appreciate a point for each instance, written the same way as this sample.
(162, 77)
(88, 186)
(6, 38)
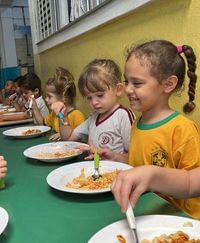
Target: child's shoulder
(76, 112)
(184, 123)
(125, 111)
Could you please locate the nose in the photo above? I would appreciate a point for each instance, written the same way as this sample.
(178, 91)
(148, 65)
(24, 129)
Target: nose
(94, 101)
(129, 88)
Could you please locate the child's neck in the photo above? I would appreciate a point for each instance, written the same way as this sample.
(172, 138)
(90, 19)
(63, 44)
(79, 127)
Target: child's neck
(107, 113)
(155, 116)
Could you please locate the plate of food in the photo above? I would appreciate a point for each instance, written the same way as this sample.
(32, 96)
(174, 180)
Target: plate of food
(5, 110)
(54, 152)
(77, 177)
(26, 132)
(3, 219)
(149, 228)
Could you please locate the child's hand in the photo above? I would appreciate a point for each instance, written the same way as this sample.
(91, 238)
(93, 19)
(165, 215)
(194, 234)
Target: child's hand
(33, 104)
(59, 107)
(12, 97)
(130, 184)
(3, 167)
(106, 153)
(55, 137)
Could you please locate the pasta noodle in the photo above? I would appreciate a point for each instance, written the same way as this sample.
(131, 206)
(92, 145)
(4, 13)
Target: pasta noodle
(177, 237)
(121, 239)
(55, 155)
(88, 183)
(31, 132)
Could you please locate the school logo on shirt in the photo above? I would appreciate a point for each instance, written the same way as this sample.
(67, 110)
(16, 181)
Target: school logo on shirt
(105, 138)
(159, 157)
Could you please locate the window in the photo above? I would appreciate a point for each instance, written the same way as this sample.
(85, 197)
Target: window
(52, 15)
(65, 19)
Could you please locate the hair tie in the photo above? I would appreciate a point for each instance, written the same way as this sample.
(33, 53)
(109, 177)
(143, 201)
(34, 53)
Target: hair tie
(179, 49)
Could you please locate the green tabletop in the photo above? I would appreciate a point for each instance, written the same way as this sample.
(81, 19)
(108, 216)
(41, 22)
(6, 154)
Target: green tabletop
(40, 214)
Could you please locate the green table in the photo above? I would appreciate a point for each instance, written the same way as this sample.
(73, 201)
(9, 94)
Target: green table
(39, 214)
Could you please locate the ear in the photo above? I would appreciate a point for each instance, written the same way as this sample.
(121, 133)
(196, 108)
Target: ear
(120, 89)
(170, 83)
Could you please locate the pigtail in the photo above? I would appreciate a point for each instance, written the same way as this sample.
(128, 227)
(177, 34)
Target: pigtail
(191, 61)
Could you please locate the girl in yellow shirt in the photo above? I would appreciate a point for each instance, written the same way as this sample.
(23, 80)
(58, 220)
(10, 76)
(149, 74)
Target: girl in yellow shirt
(161, 136)
(61, 88)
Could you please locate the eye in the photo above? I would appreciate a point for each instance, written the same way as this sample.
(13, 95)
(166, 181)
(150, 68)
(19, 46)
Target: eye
(100, 95)
(125, 82)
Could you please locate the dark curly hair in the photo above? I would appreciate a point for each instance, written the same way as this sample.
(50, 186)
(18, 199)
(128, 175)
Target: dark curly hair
(166, 61)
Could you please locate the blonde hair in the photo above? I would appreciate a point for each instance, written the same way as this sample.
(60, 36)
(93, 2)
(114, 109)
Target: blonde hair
(99, 75)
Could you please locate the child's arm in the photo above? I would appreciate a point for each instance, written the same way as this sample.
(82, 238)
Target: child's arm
(14, 101)
(3, 167)
(178, 183)
(66, 131)
(36, 112)
(108, 154)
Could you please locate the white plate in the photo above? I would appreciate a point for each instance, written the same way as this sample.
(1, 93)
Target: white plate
(147, 227)
(3, 219)
(51, 148)
(18, 132)
(58, 178)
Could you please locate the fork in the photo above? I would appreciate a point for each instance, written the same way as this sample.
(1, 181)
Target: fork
(96, 174)
(131, 222)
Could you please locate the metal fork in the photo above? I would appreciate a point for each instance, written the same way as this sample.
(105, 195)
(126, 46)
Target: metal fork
(96, 174)
(131, 222)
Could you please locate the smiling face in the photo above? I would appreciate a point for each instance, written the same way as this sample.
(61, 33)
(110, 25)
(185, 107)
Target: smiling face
(145, 93)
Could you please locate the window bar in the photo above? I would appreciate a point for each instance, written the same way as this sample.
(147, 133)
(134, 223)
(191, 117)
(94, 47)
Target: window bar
(42, 20)
(47, 29)
(55, 16)
(88, 5)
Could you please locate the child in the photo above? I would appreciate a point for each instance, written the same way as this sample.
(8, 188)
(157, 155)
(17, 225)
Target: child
(32, 92)
(8, 90)
(61, 88)
(177, 183)
(17, 99)
(3, 167)
(109, 125)
(162, 136)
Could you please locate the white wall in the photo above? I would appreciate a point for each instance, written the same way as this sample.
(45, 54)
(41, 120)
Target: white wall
(8, 50)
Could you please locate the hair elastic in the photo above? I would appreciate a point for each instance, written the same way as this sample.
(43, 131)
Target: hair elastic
(179, 49)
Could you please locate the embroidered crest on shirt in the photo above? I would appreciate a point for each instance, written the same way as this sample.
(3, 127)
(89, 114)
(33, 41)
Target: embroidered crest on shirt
(159, 157)
(105, 138)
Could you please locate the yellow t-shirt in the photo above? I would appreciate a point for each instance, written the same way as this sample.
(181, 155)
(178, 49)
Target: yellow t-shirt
(173, 142)
(75, 118)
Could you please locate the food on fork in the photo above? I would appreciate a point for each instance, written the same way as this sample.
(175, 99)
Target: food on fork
(177, 237)
(31, 132)
(88, 183)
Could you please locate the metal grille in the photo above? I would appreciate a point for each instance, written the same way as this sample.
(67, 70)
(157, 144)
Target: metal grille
(51, 15)
(47, 19)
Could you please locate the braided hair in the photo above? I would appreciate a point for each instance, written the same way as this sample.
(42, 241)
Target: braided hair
(191, 61)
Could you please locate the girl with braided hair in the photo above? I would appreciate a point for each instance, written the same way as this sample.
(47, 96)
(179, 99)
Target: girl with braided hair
(60, 89)
(161, 136)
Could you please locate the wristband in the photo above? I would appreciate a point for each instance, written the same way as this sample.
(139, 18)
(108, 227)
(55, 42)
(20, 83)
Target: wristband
(61, 117)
